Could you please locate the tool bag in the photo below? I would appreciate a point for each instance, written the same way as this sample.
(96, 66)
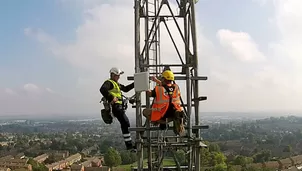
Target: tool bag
(106, 112)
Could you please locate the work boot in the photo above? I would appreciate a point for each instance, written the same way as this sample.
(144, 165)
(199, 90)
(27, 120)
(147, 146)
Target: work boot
(163, 126)
(130, 146)
(147, 113)
(178, 126)
(179, 114)
(178, 122)
(132, 149)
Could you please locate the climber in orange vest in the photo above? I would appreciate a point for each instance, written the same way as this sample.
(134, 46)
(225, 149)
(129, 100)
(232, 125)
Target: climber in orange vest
(166, 106)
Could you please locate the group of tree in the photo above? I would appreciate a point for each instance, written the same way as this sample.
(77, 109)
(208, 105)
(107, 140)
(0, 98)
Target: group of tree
(115, 158)
(283, 129)
(211, 157)
(265, 137)
(36, 166)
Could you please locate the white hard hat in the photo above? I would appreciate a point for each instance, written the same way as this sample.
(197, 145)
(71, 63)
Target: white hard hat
(116, 71)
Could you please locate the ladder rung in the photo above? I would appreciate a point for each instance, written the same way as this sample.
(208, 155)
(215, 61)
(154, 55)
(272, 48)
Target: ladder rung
(163, 16)
(144, 137)
(169, 145)
(177, 77)
(170, 128)
(152, 73)
(144, 106)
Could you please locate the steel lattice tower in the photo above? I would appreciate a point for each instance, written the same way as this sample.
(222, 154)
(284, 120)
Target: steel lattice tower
(147, 58)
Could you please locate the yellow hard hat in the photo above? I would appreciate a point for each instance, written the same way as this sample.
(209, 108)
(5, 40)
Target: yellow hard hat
(168, 75)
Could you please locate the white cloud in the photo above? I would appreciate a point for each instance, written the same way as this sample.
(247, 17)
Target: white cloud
(10, 91)
(271, 84)
(43, 37)
(32, 99)
(97, 41)
(103, 42)
(31, 88)
(288, 17)
(49, 90)
(261, 2)
(39, 35)
(241, 45)
(252, 82)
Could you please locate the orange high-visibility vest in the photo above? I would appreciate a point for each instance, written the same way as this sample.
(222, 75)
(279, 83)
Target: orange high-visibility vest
(161, 102)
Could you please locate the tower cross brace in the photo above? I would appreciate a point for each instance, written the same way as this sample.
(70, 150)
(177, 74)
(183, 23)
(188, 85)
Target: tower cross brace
(148, 58)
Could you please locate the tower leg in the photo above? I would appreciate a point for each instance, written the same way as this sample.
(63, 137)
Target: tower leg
(148, 58)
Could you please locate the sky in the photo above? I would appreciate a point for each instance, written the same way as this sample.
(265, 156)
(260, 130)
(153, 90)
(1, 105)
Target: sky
(55, 54)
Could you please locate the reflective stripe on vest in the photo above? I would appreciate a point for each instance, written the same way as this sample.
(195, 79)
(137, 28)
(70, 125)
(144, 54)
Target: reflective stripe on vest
(161, 102)
(116, 92)
(176, 95)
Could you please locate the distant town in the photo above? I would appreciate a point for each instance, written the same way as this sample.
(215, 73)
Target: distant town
(235, 143)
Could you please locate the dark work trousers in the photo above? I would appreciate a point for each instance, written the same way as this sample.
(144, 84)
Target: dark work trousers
(169, 114)
(119, 113)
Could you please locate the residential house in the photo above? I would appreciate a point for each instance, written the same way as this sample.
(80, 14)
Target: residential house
(272, 164)
(14, 166)
(7, 157)
(87, 151)
(97, 162)
(20, 156)
(73, 159)
(297, 160)
(93, 162)
(285, 163)
(64, 163)
(41, 158)
(104, 168)
(57, 165)
(75, 167)
(5, 169)
(291, 169)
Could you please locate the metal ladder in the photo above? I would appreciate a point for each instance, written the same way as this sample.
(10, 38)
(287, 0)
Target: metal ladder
(154, 58)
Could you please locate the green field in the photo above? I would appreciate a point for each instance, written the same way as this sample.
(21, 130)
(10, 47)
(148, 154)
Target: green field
(166, 162)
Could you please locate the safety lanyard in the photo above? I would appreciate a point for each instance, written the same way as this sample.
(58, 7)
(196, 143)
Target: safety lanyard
(170, 93)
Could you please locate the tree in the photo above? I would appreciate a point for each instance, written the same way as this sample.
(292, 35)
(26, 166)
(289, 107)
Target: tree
(231, 168)
(105, 145)
(181, 157)
(112, 158)
(50, 159)
(37, 166)
(223, 146)
(288, 148)
(242, 160)
(262, 156)
(251, 137)
(128, 157)
(125, 156)
(133, 157)
(205, 157)
(214, 147)
(220, 167)
(217, 158)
